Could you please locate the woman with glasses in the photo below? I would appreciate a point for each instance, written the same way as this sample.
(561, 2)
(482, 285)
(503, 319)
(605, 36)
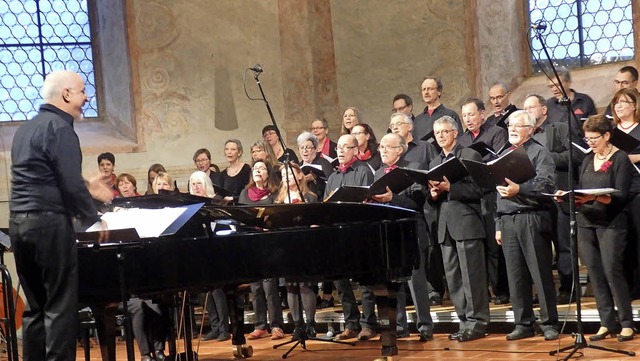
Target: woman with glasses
(626, 117)
(350, 118)
(271, 135)
(603, 226)
(202, 160)
(316, 169)
(326, 146)
(260, 191)
(367, 146)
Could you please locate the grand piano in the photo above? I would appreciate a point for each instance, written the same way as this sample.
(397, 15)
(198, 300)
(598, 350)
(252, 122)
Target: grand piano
(226, 246)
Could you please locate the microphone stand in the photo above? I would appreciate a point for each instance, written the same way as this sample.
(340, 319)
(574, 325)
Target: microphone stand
(287, 162)
(580, 340)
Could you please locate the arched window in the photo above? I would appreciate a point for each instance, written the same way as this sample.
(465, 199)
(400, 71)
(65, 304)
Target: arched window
(583, 32)
(37, 37)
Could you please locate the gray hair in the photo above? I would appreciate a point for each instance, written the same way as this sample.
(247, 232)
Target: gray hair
(524, 115)
(55, 82)
(400, 139)
(502, 85)
(445, 119)
(405, 118)
(305, 136)
(205, 180)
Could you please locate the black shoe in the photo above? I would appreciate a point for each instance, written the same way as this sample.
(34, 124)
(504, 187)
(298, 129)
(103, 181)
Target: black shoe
(535, 300)
(564, 298)
(211, 335)
(311, 331)
(326, 303)
(551, 334)
(519, 333)
(147, 358)
(223, 336)
(456, 335)
(435, 299)
(425, 336)
(630, 337)
(601, 336)
(296, 334)
(501, 300)
(470, 335)
(160, 356)
(402, 333)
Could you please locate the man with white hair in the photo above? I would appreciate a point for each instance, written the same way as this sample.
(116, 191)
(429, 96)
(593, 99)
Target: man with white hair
(47, 191)
(418, 151)
(523, 228)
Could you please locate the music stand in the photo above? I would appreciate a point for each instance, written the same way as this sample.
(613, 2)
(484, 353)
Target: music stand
(303, 337)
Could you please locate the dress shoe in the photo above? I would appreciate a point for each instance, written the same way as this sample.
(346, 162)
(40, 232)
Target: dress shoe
(627, 337)
(551, 334)
(160, 356)
(223, 336)
(435, 300)
(296, 334)
(470, 335)
(367, 334)
(147, 358)
(501, 300)
(456, 335)
(211, 335)
(311, 331)
(347, 334)
(425, 336)
(520, 333)
(326, 303)
(402, 333)
(535, 300)
(601, 335)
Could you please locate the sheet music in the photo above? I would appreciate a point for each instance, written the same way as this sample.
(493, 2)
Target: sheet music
(147, 222)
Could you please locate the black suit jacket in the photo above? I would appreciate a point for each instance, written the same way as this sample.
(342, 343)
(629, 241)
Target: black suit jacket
(459, 210)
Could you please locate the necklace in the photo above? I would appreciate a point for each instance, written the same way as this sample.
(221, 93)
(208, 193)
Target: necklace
(626, 128)
(606, 156)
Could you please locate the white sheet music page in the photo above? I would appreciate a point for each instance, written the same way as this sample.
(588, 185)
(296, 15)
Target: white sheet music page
(147, 222)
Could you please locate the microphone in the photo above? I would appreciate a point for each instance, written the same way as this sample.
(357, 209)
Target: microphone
(257, 68)
(539, 25)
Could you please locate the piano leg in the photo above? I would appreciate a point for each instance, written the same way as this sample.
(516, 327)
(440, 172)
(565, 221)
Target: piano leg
(387, 302)
(236, 316)
(106, 327)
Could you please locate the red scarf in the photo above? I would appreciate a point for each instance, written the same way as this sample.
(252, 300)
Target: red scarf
(325, 146)
(344, 167)
(364, 156)
(256, 194)
(390, 168)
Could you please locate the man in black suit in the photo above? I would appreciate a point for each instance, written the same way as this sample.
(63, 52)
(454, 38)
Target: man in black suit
(582, 105)
(461, 235)
(499, 98)
(431, 89)
(523, 227)
(392, 147)
(479, 131)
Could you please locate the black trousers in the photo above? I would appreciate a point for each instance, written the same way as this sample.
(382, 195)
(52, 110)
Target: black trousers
(602, 250)
(496, 266)
(526, 242)
(218, 311)
(46, 258)
(150, 324)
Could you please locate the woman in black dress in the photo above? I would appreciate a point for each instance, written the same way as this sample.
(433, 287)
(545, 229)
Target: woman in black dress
(602, 228)
(236, 176)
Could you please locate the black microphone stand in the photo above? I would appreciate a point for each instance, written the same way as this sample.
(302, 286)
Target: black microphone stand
(301, 331)
(580, 340)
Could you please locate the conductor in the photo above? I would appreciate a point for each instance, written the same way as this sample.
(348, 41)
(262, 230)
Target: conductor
(47, 191)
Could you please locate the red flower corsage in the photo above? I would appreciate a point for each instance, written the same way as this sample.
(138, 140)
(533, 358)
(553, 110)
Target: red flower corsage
(605, 166)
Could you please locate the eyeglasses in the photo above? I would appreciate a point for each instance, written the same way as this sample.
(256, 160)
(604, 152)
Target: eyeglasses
(317, 128)
(307, 147)
(518, 126)
(200, 161)
(344, 147)
(268, 133)
(444, 132)
(498, 97)
(395, 125)
(260, 169)
(622, 101)
(388, 147)
(591, 139)
(429, 89)
(399, 109)
(623, 83)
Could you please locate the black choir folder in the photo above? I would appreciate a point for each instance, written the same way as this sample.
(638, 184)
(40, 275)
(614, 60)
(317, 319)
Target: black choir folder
(452, 168)
(623, 140)
(315, 169)
(514, 165)
(483, 148)
(397, 180)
